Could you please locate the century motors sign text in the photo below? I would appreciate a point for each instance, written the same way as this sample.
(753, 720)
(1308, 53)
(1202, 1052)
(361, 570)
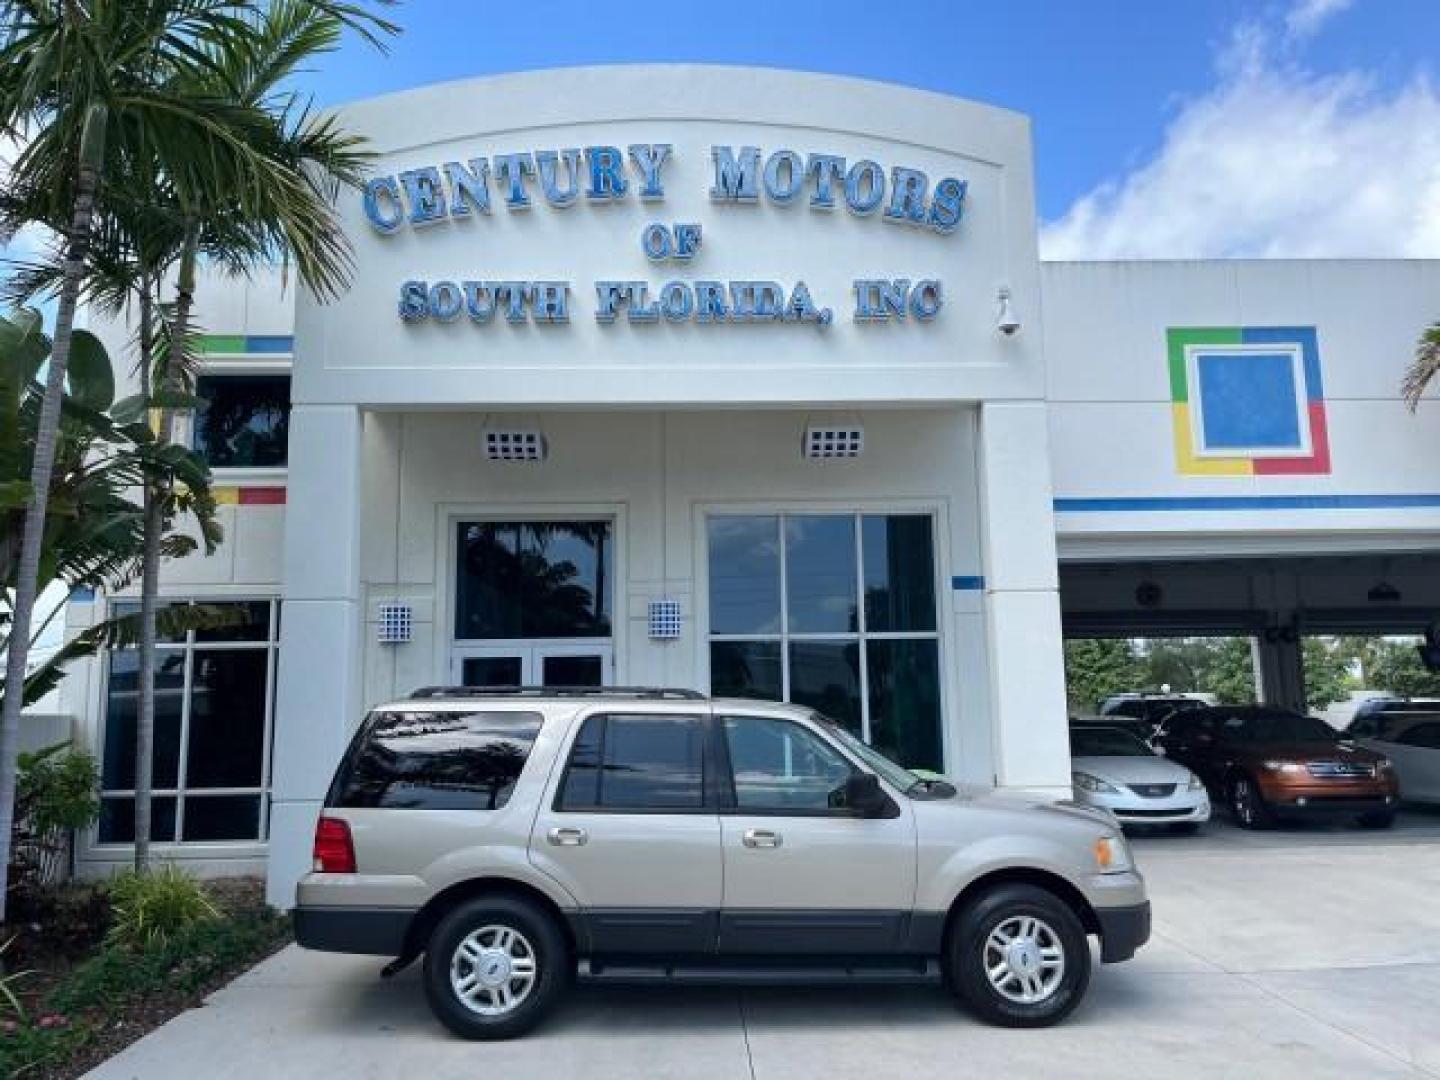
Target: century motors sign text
(559, 178)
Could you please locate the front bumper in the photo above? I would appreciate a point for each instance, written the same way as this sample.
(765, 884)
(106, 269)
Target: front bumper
(1183, 807)
(1122, 931)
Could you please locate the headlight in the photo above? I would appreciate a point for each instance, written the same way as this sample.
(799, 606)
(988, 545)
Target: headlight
(1284, 766)
(1384, 765)
(1112, 855)
(1195, 784)
(1085, 782)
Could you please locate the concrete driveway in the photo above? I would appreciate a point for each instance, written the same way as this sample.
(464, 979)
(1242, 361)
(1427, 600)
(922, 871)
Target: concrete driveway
(1313, 953)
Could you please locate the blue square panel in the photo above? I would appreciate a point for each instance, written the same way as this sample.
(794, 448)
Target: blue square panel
(1248, 401)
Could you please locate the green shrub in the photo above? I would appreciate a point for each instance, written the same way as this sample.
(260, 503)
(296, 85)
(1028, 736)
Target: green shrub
(56, 791)
(148, 909)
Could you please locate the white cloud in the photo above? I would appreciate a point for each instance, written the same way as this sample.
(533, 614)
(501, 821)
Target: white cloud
(1274, 160)
(1306, 17)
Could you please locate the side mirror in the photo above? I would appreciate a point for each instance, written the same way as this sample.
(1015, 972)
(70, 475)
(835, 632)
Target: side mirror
(865, 797)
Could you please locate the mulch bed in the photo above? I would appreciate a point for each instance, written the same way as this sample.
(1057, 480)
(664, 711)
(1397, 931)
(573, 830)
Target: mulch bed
(85, 1002)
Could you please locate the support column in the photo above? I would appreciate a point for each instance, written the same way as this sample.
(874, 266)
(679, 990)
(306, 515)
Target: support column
(318, 691)
(1280, 668)
(1022, 599)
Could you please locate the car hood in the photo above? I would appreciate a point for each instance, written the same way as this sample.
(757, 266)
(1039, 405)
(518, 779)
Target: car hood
(1017, 802)
(1133, 770)
(1311, 751)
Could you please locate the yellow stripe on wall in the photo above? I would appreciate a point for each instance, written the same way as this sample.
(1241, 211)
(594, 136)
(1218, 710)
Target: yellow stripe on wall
(1185, 459)
(226, 496)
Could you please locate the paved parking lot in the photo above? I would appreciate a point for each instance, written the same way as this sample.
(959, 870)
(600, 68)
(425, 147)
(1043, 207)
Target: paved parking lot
(1312, 952)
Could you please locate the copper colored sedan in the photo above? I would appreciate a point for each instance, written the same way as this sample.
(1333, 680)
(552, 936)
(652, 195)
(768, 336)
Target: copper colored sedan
(1266, 763)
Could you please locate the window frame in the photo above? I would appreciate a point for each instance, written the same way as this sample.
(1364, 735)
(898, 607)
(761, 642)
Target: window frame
(709, 776)
(730, 801)
(185, 427)
(180, 791)
(857, 512)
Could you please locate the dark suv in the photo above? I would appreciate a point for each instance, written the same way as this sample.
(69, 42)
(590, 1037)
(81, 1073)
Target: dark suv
(1267, 763)
(1142, 714)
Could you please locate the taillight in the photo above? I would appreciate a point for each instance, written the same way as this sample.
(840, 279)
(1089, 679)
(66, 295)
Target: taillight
(334, 850)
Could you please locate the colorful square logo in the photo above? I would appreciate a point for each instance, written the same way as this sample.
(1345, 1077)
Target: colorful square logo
(1247, 401)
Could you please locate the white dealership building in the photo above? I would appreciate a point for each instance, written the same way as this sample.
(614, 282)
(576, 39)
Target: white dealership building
(750, 381)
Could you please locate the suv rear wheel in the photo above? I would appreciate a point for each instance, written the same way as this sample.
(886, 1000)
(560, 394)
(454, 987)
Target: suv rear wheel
(1018, 957)
(494, 966)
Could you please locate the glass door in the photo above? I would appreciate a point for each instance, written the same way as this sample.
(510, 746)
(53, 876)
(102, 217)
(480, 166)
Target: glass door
(573, 665)
(487, 666)
(532, 664)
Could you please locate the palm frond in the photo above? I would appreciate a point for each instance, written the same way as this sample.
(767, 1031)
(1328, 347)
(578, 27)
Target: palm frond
(1424, 368)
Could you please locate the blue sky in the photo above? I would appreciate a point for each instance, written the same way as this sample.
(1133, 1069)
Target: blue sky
(1105, 81)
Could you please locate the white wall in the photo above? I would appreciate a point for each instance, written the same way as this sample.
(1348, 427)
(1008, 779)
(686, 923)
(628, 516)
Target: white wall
(656, 474)
(1109, 393)
(359, 350)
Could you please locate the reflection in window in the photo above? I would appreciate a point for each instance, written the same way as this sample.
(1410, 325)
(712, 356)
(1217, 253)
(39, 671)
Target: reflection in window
(437, 760)
(533, 579)
(873, 667)
(244, 421)
(778, 765)
(212, 694)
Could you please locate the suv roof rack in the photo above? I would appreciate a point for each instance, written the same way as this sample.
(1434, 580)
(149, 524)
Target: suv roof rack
(653, 692)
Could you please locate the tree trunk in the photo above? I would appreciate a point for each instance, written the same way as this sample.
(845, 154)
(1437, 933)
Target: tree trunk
(149, 585)
(46, 432)
(161, 380)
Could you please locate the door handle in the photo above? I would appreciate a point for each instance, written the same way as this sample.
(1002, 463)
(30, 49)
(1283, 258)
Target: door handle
(761, 838)
(568, 836)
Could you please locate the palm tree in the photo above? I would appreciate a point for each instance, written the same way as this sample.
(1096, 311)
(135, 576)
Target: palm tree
(1423, 368)
(94, 85)
(94, 533)
(296, 222)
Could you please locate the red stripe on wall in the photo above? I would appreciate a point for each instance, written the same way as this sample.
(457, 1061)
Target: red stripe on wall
(262, 496)
(1319, 460)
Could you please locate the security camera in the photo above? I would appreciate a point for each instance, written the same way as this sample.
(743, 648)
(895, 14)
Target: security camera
(1006, 321)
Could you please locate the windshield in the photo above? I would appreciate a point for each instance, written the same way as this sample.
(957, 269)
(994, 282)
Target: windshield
(1280, 727)
(896, 775)
(1106, 742)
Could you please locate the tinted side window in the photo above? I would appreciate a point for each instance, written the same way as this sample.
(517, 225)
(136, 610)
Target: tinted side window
(1422, 735)
(436, 760)
(621, 762)
(780, 766)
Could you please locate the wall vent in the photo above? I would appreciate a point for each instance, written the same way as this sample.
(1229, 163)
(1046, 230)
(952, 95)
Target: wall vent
(664, 620)
(515, 445)
(825, 443)
(394, 623)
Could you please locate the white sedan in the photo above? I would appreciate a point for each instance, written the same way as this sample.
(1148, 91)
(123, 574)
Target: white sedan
(1411, 740)
(1114, 770)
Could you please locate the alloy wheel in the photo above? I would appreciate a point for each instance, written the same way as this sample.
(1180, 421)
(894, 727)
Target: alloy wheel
(1024, 959)
(493, 969)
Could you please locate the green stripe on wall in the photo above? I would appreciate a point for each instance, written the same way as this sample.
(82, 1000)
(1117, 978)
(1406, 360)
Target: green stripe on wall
(222, 343)
(1179, 337)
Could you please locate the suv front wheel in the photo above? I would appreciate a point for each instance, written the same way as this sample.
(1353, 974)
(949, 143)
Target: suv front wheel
(494, 966)
(1018, 957)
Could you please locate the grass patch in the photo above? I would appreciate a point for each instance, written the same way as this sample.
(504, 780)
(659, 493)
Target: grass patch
(121, 991)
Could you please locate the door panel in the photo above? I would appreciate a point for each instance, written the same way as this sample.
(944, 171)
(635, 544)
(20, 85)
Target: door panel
(634, 838)
(801, 874)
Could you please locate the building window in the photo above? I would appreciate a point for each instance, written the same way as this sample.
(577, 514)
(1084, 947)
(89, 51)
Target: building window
(244, 421)
(834, 611)
(532, 579)
(214, 694)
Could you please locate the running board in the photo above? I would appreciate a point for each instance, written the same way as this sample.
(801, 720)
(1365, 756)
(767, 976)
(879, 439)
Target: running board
(759, 973)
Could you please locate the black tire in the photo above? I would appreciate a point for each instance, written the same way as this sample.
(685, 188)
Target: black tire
(539, 937)
(1380, 819)
(1185, 828)
(969, 950)
(1247, 805)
